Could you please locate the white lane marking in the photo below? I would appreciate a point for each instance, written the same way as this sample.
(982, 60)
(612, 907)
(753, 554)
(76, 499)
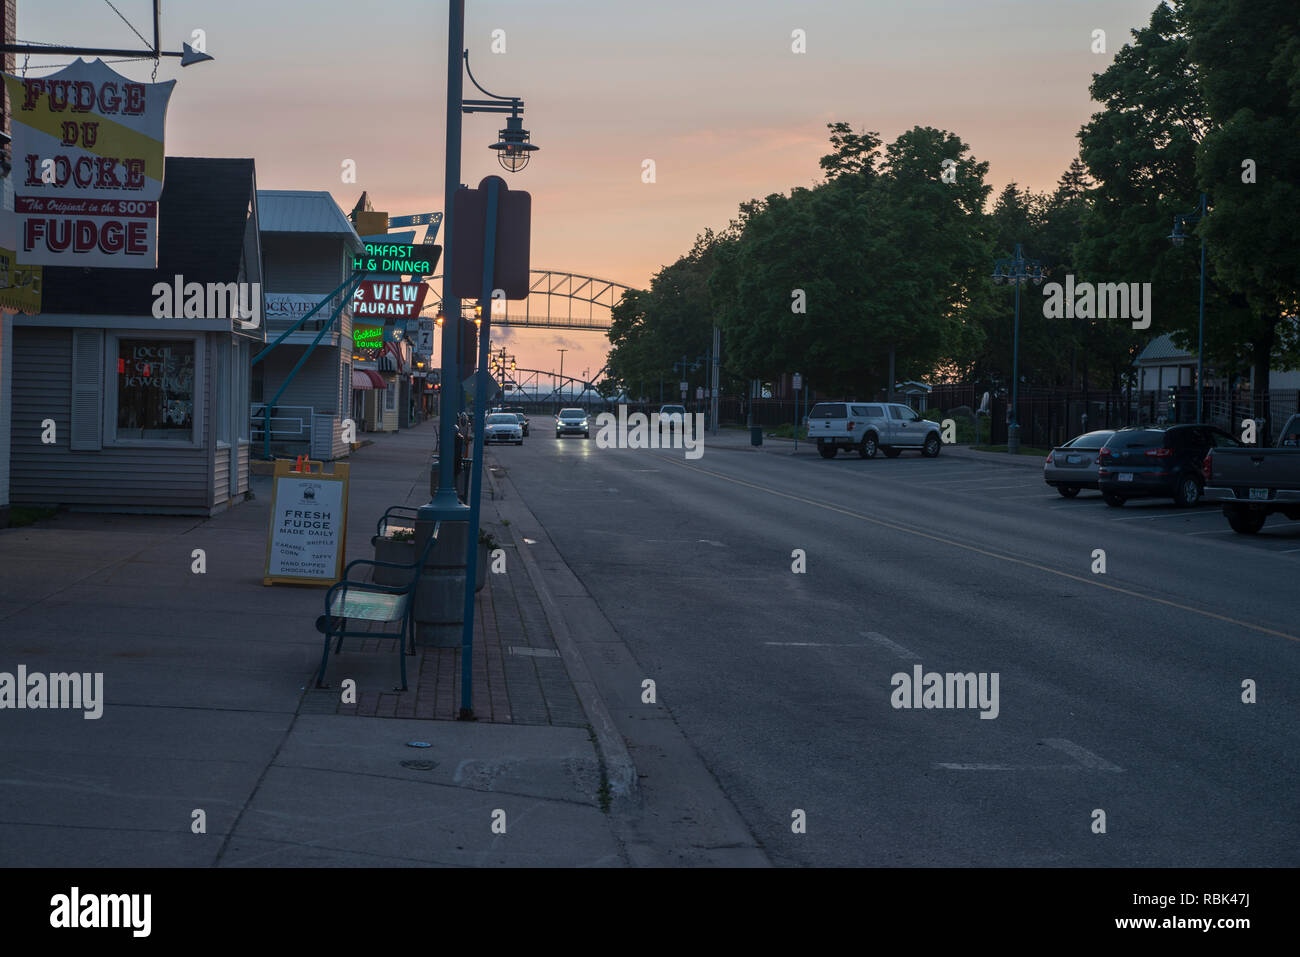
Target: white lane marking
(1147, 518)
(1287, 551)
(991, 478)
(893, 646)
(815, 644)
(1009, 767)
(709, 541)
(1082, 755)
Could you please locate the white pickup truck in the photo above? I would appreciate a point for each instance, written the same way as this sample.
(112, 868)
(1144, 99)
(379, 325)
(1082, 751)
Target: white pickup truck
(870, 426)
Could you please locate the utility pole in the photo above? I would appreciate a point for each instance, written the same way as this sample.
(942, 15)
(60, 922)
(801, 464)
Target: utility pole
(561, 382)
(713, 391)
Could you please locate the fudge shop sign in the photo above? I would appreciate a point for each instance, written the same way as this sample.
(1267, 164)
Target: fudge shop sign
(309, 518)
(88, 166)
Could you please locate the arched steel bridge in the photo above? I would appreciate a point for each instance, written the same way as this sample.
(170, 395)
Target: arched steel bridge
(551, 285)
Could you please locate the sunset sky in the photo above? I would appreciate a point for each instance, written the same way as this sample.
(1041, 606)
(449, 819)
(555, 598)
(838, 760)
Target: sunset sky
(709, 89)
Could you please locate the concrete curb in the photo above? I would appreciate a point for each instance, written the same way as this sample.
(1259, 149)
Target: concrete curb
(1001, 458)
(620, 771)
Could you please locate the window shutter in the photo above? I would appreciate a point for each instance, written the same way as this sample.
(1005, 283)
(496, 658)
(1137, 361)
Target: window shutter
(87, 390)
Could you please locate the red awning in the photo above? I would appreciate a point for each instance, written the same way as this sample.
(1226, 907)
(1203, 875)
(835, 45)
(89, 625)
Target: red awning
(367, 379)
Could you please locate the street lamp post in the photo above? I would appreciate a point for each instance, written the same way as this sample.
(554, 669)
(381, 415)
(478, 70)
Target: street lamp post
(1178, 237)
(513, 150)
(1018, 270)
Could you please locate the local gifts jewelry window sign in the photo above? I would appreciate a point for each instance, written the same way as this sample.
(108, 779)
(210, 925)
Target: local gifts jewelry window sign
(308, 534)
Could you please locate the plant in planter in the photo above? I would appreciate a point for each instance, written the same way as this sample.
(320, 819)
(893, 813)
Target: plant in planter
(398, 546)
(487, 542)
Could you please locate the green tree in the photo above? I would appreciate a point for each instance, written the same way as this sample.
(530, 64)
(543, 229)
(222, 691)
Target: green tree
(1141, 148)
(1248, 62)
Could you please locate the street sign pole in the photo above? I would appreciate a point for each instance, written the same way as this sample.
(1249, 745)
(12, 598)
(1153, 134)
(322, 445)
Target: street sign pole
(476, 470)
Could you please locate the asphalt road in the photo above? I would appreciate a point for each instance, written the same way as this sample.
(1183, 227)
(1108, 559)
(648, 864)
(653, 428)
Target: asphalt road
(1118, 692)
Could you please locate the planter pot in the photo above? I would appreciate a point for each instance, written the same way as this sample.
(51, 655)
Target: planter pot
(389, 550)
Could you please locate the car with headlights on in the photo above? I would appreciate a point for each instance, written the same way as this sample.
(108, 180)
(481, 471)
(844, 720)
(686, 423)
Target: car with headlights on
(572, 422)
(1073, 466)
(503, 427)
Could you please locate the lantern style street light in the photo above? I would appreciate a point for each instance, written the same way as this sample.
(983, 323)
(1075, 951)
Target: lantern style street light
(1019, 270)
(1178, 237)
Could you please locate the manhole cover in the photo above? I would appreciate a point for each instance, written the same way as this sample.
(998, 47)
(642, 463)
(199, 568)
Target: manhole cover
(420, 765)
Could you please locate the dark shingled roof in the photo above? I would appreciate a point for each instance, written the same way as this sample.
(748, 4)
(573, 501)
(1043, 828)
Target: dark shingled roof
(201, 217)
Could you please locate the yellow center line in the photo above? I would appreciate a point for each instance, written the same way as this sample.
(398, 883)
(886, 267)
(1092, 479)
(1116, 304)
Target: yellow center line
(983, 551)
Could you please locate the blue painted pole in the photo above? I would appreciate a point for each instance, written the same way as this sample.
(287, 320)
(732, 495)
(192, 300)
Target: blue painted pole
(445, 504)
(1200, 339)
(1013, 432)
(476, 470)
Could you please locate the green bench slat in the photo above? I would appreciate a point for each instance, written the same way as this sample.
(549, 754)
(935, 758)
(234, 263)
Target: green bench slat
(368, 606)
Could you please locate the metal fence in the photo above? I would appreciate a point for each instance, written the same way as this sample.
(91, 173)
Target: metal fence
(1050, 417)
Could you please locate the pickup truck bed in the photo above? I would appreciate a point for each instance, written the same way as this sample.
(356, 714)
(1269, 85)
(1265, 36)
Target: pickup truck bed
(1255, 483)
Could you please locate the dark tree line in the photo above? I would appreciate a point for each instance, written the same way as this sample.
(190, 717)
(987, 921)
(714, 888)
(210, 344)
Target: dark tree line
(895, 247)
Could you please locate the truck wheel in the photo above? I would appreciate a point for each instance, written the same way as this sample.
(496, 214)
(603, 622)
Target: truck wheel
(1188, 492)
(892, 453)
(1113, 500)
(1244, 521)
(867, 447)
(1068, 491)
(931, 447)
(826, 449)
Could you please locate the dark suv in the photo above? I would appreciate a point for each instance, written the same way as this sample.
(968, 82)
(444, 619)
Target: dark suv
(1157, 461)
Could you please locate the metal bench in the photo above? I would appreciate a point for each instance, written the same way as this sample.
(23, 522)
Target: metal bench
(349, 600)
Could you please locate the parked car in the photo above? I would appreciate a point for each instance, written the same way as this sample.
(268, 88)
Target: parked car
(869, 427)
(571, 422)
(674, 410)
(1254, 483)
(1157, 461)
(1073, 466)
(523, 421)
(503, 427)
(522, 413)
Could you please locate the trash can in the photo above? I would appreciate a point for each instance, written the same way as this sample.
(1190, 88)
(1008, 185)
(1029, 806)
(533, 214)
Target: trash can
(755, 435)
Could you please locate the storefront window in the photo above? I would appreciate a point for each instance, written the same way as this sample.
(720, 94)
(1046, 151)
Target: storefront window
(155, 389)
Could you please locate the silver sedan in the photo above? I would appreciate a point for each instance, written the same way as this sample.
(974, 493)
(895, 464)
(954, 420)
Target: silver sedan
(503, 427)
(1073, 465)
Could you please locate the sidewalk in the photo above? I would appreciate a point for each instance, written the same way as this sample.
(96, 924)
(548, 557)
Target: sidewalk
(207, 707)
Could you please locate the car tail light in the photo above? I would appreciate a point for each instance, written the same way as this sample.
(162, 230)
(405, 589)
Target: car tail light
(1161, 453)
(1206, 465)
(1049, 457)
(850, 426)
(1105, 453)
